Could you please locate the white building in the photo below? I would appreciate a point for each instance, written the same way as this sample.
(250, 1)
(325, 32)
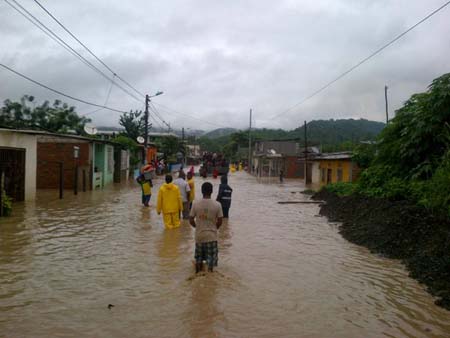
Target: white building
(18, 152)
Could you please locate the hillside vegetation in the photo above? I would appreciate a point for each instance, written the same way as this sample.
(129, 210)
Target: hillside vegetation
(331, 135)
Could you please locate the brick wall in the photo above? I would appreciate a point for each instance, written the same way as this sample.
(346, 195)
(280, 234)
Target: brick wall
(49, 155)
(295, 167)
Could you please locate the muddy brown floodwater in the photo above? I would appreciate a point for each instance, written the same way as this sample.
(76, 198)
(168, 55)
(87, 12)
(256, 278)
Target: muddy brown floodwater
(283, 272)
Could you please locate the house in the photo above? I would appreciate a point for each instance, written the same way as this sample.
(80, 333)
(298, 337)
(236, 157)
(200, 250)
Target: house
(69, 153)
(18, 163)
(296, 165)
(269, 157)
(334, 167)
(193, 154)
(34, 159)
(87, 163)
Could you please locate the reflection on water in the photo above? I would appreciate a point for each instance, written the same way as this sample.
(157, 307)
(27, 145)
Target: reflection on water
(283, 272)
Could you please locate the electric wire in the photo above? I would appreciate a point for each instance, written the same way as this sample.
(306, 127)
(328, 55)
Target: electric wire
(60, 41)
(156, 121)
(59, 92)
(106, 100)
(85, 47)
(155, 111)
(379, 50)
(37, 22)
(171, 110)
(44, 31)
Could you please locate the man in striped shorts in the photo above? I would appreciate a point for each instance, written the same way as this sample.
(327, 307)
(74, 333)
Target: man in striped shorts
(206, 217)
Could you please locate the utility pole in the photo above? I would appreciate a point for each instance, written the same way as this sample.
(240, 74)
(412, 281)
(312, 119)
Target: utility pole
(306, 156)
(249, 165)
(147, 100)
(386, 99)
(184, 145)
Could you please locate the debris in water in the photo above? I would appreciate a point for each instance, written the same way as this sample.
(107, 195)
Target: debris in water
(299, 202)
(110, 306)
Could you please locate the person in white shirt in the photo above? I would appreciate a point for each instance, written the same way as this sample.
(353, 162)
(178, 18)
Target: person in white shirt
(184, 188)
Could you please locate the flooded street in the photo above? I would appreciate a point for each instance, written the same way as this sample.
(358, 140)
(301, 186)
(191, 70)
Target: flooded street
(283, 272)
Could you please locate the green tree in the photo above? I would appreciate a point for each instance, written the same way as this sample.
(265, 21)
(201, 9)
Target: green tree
(58, 117)
(170, 146)
(131, 145)
(364, 154)
(133, 123)
(415, 141)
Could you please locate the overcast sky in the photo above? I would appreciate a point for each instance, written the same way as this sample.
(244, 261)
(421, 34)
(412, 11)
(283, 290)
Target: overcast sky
(215, 60)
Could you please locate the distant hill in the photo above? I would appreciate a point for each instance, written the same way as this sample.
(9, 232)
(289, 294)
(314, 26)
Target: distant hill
(338, 131)
(331, 135)
(216, 133)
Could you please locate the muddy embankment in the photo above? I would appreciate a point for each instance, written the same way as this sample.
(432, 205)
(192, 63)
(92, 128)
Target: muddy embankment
(397, 230)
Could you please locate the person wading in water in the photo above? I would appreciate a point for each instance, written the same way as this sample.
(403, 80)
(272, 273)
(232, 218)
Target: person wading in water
(169, 202)
(224, 195)
(206, 217)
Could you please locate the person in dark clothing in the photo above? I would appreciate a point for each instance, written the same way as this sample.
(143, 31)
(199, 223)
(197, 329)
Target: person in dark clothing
(224, 195)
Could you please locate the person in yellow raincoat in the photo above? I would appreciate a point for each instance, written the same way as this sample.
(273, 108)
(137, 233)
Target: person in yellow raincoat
(169, 202)
(191, 183)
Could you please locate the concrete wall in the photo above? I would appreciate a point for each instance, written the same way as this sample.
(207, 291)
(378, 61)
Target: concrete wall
(29, 143)
(315, 170)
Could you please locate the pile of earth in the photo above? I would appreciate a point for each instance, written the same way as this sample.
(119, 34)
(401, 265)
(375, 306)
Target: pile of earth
(400, 230)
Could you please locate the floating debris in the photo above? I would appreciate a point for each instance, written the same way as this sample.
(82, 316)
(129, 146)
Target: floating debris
(300, 202)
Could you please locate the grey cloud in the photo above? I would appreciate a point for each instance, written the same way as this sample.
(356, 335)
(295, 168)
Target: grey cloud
(216, 60)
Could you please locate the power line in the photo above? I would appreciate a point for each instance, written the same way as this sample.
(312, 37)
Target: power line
(59, 92)
(40, 25)
(44, 31)
(60, 41)
(379, 50)
(167, 109)
(155, 111)
(157, 122)
(106, 101)
(85, 47)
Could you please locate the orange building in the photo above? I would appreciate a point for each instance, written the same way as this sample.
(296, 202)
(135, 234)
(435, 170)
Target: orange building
(152, 153)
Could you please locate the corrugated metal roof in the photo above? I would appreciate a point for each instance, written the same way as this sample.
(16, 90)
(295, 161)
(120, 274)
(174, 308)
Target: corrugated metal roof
(334, 156)
(46, 133)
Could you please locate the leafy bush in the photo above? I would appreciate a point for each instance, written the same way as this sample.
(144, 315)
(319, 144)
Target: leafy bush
(6, 204)
(435, 194)
(342, 188)
(364, 154)
(373, 179)
(414, 142)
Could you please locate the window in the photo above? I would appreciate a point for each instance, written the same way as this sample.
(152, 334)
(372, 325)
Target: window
(323, 174)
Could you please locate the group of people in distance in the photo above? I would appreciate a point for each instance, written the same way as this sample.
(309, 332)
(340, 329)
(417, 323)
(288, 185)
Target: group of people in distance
(176, 198)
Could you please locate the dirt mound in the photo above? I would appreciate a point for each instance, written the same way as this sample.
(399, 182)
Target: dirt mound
(397, 229)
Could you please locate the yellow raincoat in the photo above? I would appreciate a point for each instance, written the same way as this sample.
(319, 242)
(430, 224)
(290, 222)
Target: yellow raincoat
(192, 192)
(169, 202)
